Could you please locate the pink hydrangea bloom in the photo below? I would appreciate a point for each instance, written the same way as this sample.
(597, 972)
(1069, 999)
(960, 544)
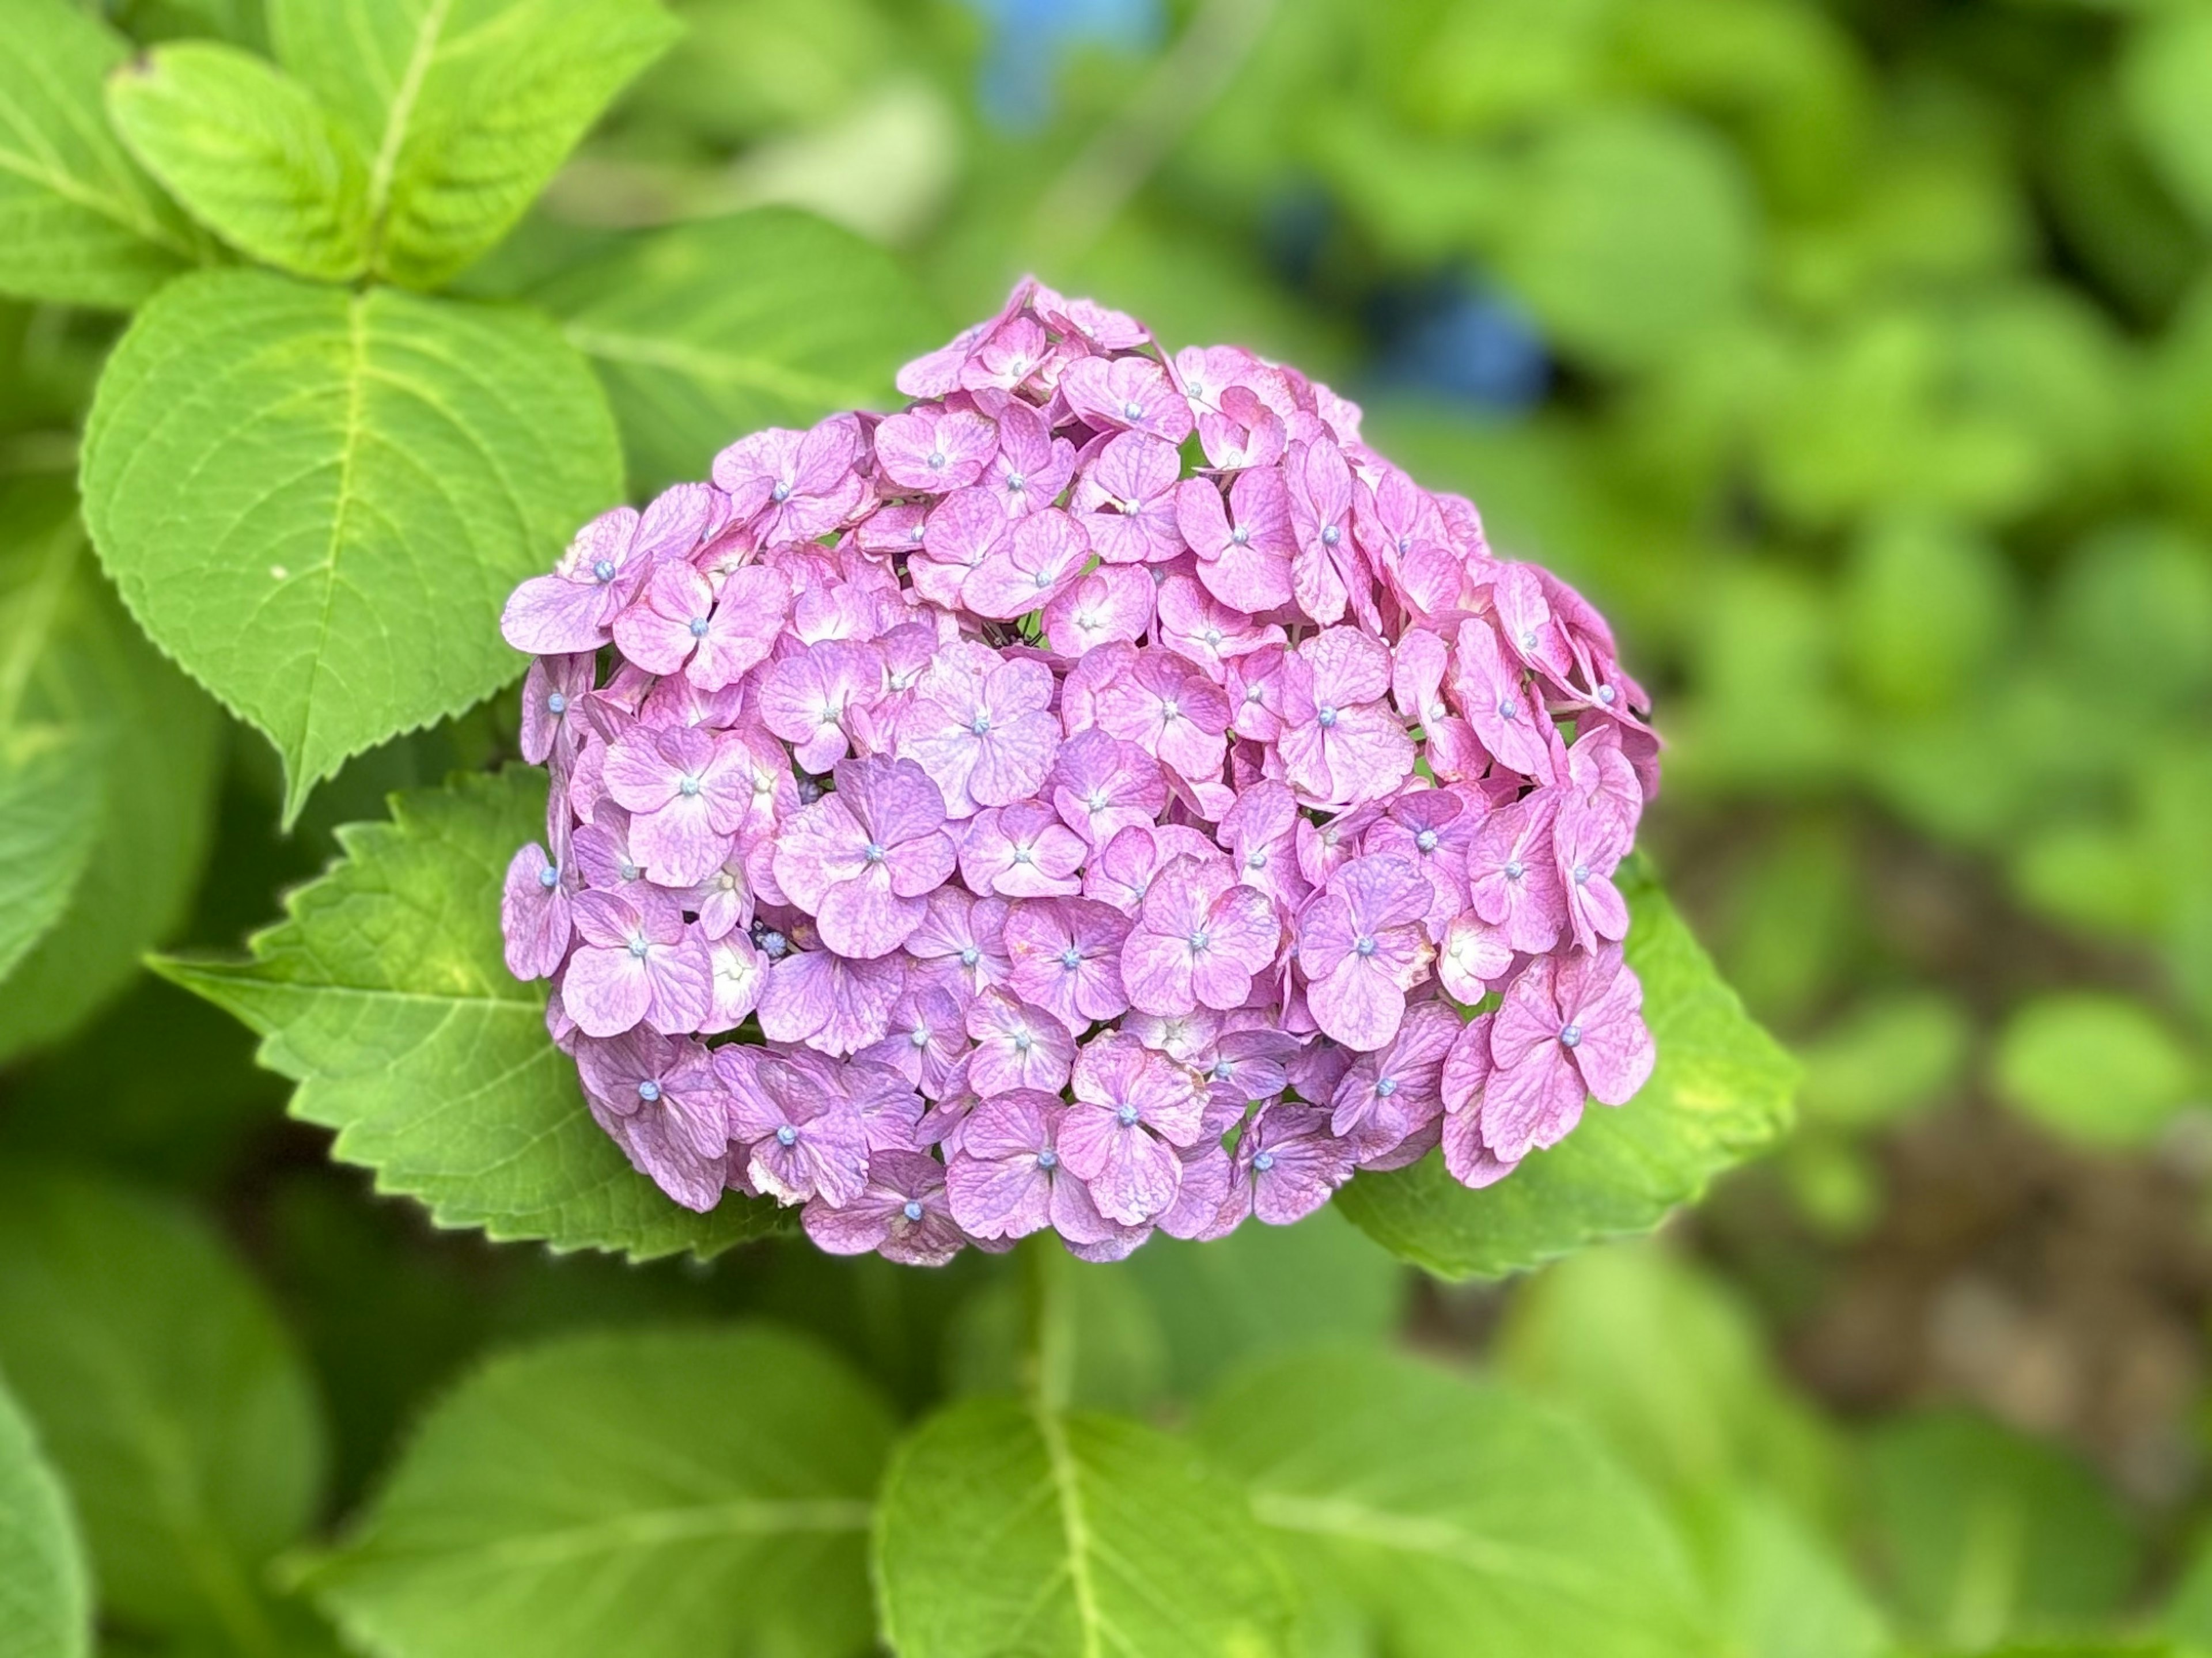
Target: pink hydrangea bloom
(990, 818)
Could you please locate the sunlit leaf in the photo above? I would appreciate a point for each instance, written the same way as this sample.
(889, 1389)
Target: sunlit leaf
(44, 1601)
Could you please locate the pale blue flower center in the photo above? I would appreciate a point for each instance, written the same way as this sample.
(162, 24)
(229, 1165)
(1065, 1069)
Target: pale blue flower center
(1364, 946)
(1047, 1161)
(1024, 1042)
(981, 725)
(911, 1209)
(937, 460)
(1582, 874)
(773, 944)
(556, 703)
(1213, 635)
(1200, 940)
(1132, 411)
(1223, 1071)
(1386, 1088)
(1022, 854)
(648, 1090)
(549, 876)
(639, 945)
(1263, 1163)
(1016, 482)
(1241, 536)
(1256, 859)
(1331, 535)
(1528, 639)
(1427, 840)
(604, 570)
(970, 955)
(627, 870)
(1405, 543)
(1514, 869)
(1571, 1036)
(919, 1037)
(786, 1135)
(781, 494)
(1071, 958)
(698, 627)
(1252, 693)
(1327, 716)
(1604, 694)
(1507, 709)
(1126, 1116)
(689, 786)
(918, 532)
(872, 852)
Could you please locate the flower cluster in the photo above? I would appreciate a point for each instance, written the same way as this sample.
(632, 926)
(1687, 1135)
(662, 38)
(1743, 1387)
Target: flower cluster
(1092, 798)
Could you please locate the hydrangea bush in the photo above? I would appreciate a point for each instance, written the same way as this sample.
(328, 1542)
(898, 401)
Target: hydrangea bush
(1104, 795)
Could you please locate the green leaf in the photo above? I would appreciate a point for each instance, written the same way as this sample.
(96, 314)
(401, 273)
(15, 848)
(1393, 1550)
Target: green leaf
(465, 107)
(2166, 88)
(1721, 1091)
(2096, 1067)
(79, 223)
(167, 1395)
(1889, 1056)
(386, 997)
(318, 501)
(1983, 1532)
(709, 330)
(1005, 1529)
(657, 1494)
(1464, 1519)
(45, 1610)
(251, 154)
(91, 699)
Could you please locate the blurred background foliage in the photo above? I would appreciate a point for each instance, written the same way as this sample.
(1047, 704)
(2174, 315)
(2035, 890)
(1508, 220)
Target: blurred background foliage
(1855, 354)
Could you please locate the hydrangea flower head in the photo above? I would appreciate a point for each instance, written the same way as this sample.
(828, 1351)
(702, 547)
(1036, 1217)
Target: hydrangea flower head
(1104, 795)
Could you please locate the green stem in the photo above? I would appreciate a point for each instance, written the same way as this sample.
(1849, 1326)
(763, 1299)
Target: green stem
(1049, 1323)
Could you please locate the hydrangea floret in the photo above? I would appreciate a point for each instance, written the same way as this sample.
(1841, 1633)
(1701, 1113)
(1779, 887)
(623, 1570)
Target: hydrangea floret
(1105, 796)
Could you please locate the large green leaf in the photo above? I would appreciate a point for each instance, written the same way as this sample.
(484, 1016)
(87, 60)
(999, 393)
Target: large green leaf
(1465, 1521)
(106, 778)
(1722, 1091)
(709, 330)
(166, 1393)
(2166, 88)
(1007, 1530)
(44, 1610)
(318, 501)
(465, 107)
(79, 223)
(657, 1494)
(253, 155)
(386, 997)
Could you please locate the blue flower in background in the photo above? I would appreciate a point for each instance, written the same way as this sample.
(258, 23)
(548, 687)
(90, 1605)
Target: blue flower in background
(1460, 340)
(1029, 37)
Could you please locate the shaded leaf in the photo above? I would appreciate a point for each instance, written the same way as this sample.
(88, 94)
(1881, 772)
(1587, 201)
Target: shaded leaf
(249, 151)
(658, 1494)
(1721, 1091)
(45, 1610)
(464, 107)
(318, 501)
(79, 223)
(385, 996)
(1463, 1520)
(2096, 1067)
(1010, 1530)
(706, 331)
(167, 1394)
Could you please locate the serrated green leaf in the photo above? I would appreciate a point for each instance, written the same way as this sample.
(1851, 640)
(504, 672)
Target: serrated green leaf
(657, 1494)
(79, 223)
(45, 1610)
(168, 1395)
(134, 751)
(1983, 1532)
(706, 331)
(464, 107)
(1721, 1091)
(251, 154)
(386, 997)
(318, 501)
(1007, 1529)
(1465, 1521)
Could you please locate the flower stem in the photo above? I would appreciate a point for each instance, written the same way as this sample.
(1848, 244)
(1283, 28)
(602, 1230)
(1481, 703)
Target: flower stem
(1049, 1323)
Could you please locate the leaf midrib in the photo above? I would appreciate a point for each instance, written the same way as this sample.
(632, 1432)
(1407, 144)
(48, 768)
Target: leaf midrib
(1435, 1537)
(701, 363)
(653, 1528)
(397, 119)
